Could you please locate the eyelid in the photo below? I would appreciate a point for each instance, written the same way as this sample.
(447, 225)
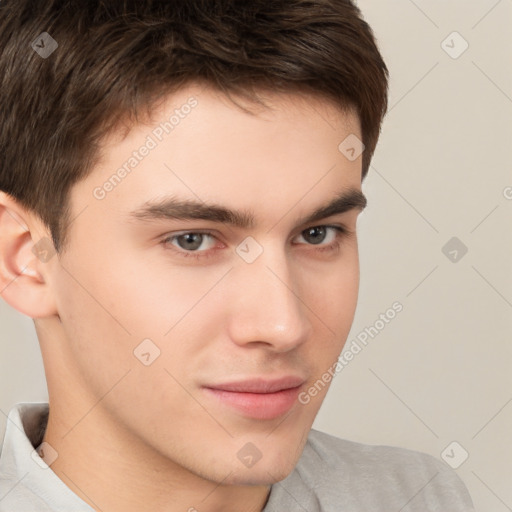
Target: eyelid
(211, 232)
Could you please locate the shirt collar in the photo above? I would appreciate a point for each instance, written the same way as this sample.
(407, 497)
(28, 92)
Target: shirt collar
(26, 481)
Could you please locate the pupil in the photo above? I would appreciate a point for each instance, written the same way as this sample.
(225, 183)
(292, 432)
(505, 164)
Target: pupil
(192, 241)
(315, 235)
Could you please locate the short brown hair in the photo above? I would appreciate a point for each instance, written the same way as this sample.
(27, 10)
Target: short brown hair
(114, 58)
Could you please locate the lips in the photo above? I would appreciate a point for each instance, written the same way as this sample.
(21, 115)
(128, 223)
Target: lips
(260, 385)
(258, 398)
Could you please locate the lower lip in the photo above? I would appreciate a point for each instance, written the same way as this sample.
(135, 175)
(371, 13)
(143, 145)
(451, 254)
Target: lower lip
(261, 406)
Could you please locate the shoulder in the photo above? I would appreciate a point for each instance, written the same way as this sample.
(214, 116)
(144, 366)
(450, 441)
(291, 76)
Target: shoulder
(345, 474)
(367, 459)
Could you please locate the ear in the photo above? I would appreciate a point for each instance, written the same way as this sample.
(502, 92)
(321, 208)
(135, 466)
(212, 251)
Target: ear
(26, 258)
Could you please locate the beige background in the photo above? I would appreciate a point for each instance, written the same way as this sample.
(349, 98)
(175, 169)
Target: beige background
(440, 371)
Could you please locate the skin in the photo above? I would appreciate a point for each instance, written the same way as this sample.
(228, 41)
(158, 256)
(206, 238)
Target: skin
(170, 445)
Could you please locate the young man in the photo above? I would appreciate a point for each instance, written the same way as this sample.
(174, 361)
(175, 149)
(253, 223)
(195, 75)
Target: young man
(180, 184)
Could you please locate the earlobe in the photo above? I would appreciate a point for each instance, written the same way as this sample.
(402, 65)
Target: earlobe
(23, 279)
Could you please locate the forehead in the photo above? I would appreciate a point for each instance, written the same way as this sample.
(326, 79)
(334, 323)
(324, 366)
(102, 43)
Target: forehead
(200, 145)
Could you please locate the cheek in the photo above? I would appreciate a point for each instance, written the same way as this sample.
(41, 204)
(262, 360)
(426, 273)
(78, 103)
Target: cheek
(333, 295)
(333, 301)
(98, 337)
(335, 306)
(343, 298)
(105, 328)
(155, 296)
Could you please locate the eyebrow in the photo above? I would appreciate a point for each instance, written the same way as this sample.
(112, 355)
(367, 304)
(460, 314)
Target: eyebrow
(170, 208)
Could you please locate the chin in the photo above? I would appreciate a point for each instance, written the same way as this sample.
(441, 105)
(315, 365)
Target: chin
(266, 471)
(262, 476)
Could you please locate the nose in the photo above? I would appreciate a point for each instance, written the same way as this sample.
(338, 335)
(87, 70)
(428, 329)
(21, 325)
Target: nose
(267, 305)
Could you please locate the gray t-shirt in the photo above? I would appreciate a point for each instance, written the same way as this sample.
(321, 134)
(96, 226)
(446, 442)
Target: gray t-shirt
(332, 475)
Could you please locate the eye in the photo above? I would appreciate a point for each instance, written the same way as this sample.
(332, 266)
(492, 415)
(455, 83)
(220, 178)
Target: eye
(326, 235)
(202, 244)
(190, 242)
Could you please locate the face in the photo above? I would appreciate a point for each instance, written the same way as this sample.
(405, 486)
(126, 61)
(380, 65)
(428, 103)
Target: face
(200, 325)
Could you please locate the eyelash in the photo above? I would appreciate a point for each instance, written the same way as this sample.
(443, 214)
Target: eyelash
(341, 232)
